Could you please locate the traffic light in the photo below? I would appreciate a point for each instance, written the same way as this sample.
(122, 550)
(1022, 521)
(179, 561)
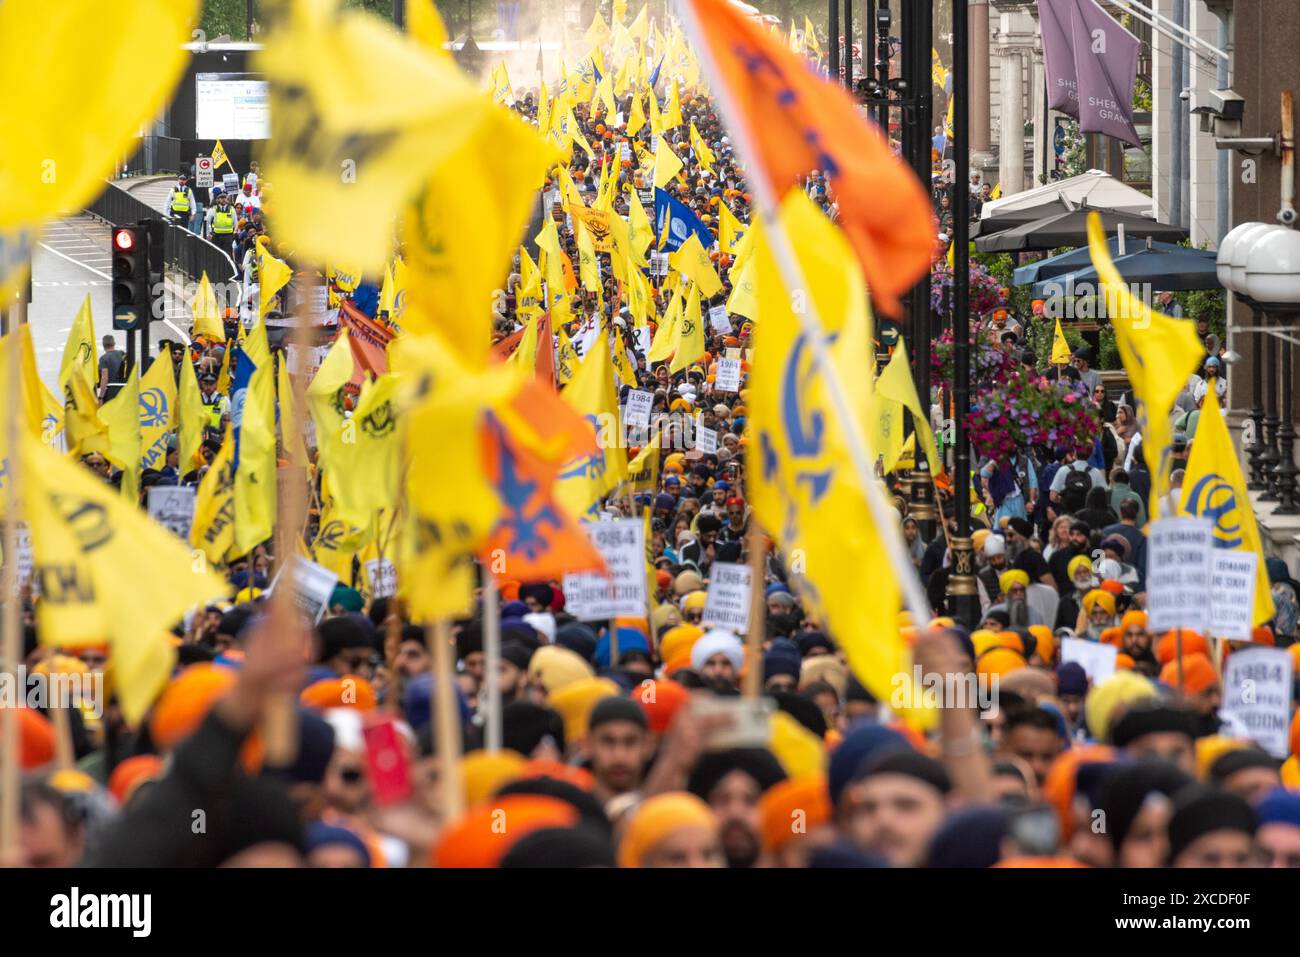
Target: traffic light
(131, 299)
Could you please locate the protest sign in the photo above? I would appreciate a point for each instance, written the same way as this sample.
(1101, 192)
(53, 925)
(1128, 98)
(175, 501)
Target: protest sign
(727, 603)
(1257, 697)
(591, 596)
(1096, 659)
(172, 507)
(1178, 573)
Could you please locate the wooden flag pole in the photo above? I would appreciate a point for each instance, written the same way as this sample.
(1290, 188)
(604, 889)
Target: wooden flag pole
(492, 661)
(1178, 654)
(446, 720)
(756, 544)
(12, 617)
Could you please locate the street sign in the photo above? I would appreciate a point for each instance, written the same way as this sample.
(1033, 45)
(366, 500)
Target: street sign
(203, 172)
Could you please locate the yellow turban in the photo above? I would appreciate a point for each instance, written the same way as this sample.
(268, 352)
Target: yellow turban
(799, 750)
(694, 601)
(978, 537)
(1076, 563)
(659, 817)
(486, 772)
(1113, 696)
(1007, 580)
(575, 701)
(555, 667)
(1098, 597)
(983, 640)
(678, 640)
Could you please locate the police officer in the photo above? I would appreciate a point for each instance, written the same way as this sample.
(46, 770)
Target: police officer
(223, 222)
(181, 202)
(216, 404)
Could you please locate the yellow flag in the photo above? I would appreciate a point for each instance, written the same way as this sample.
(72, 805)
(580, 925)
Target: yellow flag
(213, 529)
(223, 374)
(623, 78)
(79, 348)
(86, 432)
(689, 334)
(618, 11)
(1060, 348)
(588, 264)
(667, 165)
(622, 364)
(886, 421)
(643, 471)
(572, 130)
(451, 271)
(324, 399)
(337, 540)
(1214, 488)
(107, 572)
(122, 416)
(673, 108)
(639, 29)
(665, 339)
(730, 230)
(566, 359)
(365, 463)
(692, 261)
(597, 34)
(525, 355)
(193, 416)
(548, 241)
(803, 487)
(702, 151)
(605, 97)
(501, 90)
(543, 111)
(219, 157)
(591, 393)
(636, 116)
(72, 133)
(528, 294)
(255, 468)
(656, 117)
(349, 148)
(291, 440)
(810, 38)
(52, 418)
(207, 316)
(157, 412)
(424, 24)
(28, 387)
(641, 231)
(1158, 352)
(272, 275)
(387, 294)
(895, 385)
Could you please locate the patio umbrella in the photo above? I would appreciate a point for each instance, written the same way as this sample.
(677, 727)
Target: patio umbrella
(1160, 270)
(1071, 229)
(1010, 218)
(1079, 258)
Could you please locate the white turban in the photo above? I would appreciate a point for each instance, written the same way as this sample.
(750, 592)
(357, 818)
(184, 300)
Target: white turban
(719, 640)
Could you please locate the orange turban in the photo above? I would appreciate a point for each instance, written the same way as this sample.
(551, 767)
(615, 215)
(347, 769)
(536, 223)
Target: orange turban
(1112, 636)
(1198, 673)
(1133, 618)
(580, 778)
(804, 801)
(679, 640)
(36, 739)
(486, 772)
(486, 833)
(1167, 646)
(131, 773)
(186, 701)
(1263, 635)
(349, 691)
(575, 701)
(1045, 647)
(1124, 662)
(660, 700)
(1295, 732)
(999, 661)
(658, 818)
(1009, 639)
(1112, 587)
(1062, 780)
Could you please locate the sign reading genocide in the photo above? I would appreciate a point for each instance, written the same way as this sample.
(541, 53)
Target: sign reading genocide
(718, 320)
(727, 603)
(1178, 573)
(1257, 697)
(172, 507)
(382, 577)
(638, 407)
(728, 379)
(706, 440)
(592, 596)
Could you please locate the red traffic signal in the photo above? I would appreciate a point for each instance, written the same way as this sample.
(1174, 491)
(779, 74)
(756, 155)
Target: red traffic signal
(124, 239)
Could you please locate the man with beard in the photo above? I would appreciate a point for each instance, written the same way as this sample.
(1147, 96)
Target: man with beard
(1137, 642)
(513, 670)
(1162, 732)
(894, 804)
(1059, 563)
(717, 657)
(732, 783)
(617, 746)
(995, 556)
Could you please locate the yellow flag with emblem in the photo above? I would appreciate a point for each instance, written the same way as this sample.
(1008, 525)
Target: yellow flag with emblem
(501, 90)
(157, 412)
(588, 264)
(347, 152)
(640, 230)
(643, 471)
(622, 364)
(548, 241)
(193, 415)
(324, 399)
(591, 393)
(451, 271)
(665, 339)
(1158, 352)
(810, 38)
(272, 275)
(337, 540)
(1060, 348)
(207, 315)
(365, 462)
(1215, 489)
(702, 151)
(803, 487)
(105, 571)
(291, 436)
(213, 530)
(121, 414)
(673, 108)
(79, 348)
(85, 431)
(896, 385)
(730, 230)
(667, 165)
(688, 340)
(597, 34)
(255, 467)
(219, 157)
(566, 359)
(692, 261)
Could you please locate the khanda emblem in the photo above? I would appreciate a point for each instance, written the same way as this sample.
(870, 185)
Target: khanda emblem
(153, 408)
(83, 354)
(599, 228)
(1214, 498)
(379, 422)
(805, 430)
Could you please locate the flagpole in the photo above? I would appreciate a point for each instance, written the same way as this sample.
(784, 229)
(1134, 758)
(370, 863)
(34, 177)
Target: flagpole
(446, 721)
(809, 320)
(756, 545)
(12, 619)
(491, 660)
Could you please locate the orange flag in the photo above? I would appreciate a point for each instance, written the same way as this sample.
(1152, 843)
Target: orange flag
(795, 122)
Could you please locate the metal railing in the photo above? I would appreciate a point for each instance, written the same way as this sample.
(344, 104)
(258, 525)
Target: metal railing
(154, 154)
(184, 253)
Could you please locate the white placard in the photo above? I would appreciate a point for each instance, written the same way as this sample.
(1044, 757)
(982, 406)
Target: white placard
(1232, 593)
(658, 264)
(230, 182)
(727, 603)
(591, 596)
(313, 587)
(172, 507)
(638, 407)
(586, 336)
(203, 172)
(728, 379)
(1096, 659)
(382, 577)
(706, 440)
(1257, 696)
(718, 320)
(1178, 574)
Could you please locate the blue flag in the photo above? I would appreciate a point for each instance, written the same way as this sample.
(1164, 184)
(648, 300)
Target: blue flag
(244, 369)
(682, 222)
(654, 77)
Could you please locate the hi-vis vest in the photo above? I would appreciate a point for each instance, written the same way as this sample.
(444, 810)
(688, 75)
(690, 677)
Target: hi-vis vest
(223, 221)
(180, 201)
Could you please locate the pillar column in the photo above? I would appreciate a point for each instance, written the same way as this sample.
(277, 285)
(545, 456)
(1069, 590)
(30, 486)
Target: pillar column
(1011, 132)
(980, 136)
